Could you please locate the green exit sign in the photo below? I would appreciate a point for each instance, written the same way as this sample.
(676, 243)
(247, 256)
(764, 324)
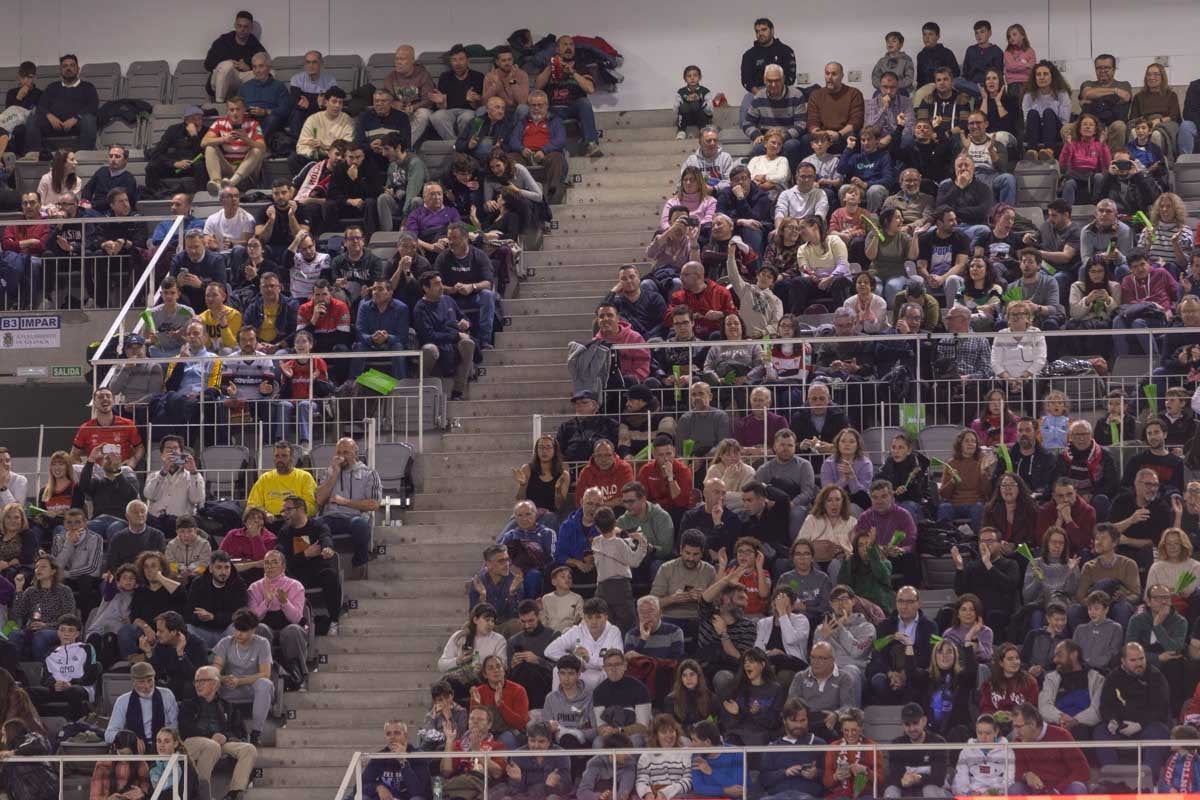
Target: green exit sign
(66, 372)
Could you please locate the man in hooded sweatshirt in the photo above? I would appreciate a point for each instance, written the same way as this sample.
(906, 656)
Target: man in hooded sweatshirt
(611, 329)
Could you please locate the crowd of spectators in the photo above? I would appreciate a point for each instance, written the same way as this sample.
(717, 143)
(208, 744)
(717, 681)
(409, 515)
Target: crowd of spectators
(684, 564)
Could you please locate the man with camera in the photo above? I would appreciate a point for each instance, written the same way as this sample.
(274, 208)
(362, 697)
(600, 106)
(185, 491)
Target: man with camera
(177, 488)
(349, 496)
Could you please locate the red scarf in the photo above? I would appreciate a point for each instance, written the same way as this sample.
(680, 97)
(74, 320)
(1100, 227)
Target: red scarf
(1093, 462)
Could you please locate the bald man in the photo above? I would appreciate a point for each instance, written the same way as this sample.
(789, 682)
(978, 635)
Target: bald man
(412, 90)
(349, 496)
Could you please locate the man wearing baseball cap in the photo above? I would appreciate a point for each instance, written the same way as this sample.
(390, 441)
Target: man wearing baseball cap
(916, 773)
(178, 154)
(577, 436)
(145, 710)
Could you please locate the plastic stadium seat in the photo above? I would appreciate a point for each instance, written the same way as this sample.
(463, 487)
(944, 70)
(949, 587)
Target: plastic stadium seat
(937, 573)
(190, 66)
(1187, 177)
(394, 463)
(882, 723)
(1032, 213)
(437, 156)
(348, 69)
(1037, 183)
(878, 442)
(119, 132)
(8, 77)
(224, 467)
(938, 440)
(190, 88)
(1083, 214)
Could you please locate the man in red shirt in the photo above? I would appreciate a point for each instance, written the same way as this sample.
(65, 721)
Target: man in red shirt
(540, 140)
(328, 320)
(606, 471)
(667, 480)
(234, 146)
(1061, 770)
(108, 428)
(26, 243)
(1067, 510)
(708, 300)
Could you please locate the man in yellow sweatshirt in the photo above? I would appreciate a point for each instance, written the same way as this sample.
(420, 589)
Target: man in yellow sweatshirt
(273, 487)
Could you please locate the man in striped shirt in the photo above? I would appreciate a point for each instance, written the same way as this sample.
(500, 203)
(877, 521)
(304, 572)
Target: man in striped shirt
(234, 146)
(777, 105)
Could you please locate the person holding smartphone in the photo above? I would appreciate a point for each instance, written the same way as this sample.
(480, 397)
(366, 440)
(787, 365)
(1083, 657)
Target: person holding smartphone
(176, 488)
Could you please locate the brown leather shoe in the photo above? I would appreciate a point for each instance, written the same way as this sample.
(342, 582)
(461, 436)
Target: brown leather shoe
(357, 573)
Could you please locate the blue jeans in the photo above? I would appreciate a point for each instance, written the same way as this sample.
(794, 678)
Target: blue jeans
(396, 367)
(893, 287)
(1071, 187)
(102, 524)
(485, 302)
(127, 640)
(41, 643)
(38, 128)
(581, 110)
(1004, 187)
(358, 528)
(300, 408)
(948, 512)
(1152, 757)
(916, 509)
(974, 233)
(1124, 345)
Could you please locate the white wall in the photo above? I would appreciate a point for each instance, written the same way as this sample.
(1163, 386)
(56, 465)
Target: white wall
(658, 38)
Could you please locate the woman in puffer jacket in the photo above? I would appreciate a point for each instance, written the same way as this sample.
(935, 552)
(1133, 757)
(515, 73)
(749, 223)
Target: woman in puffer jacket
(983, 767)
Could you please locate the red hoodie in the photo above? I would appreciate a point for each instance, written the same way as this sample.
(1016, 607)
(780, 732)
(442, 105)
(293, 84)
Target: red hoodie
(714, 298)
(634, 363)
(608, 481)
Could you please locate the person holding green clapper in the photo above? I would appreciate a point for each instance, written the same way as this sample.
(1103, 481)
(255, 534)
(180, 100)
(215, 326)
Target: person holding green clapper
(886, 517)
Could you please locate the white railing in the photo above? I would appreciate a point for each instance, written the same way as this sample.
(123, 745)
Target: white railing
(176, 766)
(353, 776)
(107, 274)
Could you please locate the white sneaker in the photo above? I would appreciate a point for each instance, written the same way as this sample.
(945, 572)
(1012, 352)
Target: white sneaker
(89, 303)
(681, 135)
(333, 629)
(47, 304)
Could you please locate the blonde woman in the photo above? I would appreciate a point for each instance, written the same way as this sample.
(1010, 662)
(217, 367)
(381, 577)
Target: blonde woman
(1168, 239)
(771, 171)
(1174, 559)
(1159, 104)
(728, 465)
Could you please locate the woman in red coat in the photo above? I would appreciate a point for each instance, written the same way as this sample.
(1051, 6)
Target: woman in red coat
(508, 700)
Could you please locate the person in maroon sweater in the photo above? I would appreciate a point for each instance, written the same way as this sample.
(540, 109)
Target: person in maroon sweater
(605, 470)
(1063, 770)
(709, 301)
(28, 239)
(1073, 514)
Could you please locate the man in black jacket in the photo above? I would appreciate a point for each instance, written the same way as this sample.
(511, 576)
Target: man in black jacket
(210, 728)
(307, 545)
(907, 625)
(229, 56)
(352, 192)
(577, 436)
(970, 198)
(916, 773)
(212, 599)
(765, 50)
(173, 654)
(178, 153)
(67, 108)
(1135, 703)
(993, 577)
(1030, 461)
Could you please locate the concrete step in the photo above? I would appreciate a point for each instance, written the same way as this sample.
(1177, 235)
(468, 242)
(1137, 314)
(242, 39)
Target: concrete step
(313, 702)
(653, 195)
(730, 137)
(474, 442)
(613, 210)
(607, 241)
(418, 589)
(554, 320)
(469, 516)
(442, 568)
(367, 626)
(464, 500)
(403, 647)
(325, 757)
(310, 793)
(589, 290)
(724, 118)
(537, 307)
(408, 693)
(469, 536)
(550, 424)
(524, 372)
(335, 737)
(546, 338)
(529, 356)
(415, 660)
(304, 777)
(644, 225)
(453, 465)
(515, 390)
(489, 408)
(607, 255)
(616, 165)
(632, 145)
(667, 179)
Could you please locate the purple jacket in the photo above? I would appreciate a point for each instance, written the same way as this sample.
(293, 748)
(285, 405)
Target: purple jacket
(859, 481)
(887, 524)
(422, 222)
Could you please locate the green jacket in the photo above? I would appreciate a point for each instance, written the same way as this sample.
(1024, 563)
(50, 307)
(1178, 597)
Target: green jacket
(874, 583)
(1171, 635)
(657, 528)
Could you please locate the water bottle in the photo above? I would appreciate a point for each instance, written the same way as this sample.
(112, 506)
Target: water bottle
(437, 787)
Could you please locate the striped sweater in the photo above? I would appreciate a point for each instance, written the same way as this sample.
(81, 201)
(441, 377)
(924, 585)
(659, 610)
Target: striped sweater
(670, 772)
(786, 112)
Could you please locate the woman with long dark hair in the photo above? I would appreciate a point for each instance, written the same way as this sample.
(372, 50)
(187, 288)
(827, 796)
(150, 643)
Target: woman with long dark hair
(824, 267)
(1053, 576)
(1009, 684)
(468, 646)
(690, 699)
(1046, 104)
(1012, 511)
(122, 780)
(544, 480)
(60, 180)
(752, 711)
(908, 471)
(28, 780)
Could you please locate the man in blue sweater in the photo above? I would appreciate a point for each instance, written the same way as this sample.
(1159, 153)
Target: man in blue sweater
(382, 324)
(114, 176)
(267, 100)
(792, 773)
(443, 333)
(67, 108)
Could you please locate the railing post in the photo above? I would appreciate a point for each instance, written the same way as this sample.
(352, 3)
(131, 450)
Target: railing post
(537, 428)
(37, 489)
(421, 402)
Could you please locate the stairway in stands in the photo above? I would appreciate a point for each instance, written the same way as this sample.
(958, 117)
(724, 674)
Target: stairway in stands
(383, 663)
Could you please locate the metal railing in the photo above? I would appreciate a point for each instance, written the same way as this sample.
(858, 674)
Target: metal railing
(92, 278)
(351, 786)
(873, 406)
(175, 773)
